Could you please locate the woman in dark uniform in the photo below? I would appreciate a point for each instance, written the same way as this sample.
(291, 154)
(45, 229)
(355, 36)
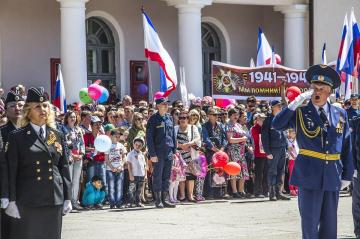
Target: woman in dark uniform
(39, 178)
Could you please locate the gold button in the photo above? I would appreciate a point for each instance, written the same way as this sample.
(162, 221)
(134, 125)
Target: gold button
(50, 169)
(38, 170)
(38, 162)
(50, 178)
(38, 178)
(49, 161)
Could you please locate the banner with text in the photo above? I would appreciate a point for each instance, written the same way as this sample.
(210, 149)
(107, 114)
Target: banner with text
(234, 82)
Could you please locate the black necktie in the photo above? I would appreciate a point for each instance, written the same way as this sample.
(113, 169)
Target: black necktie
(41, 134)
(324, 118)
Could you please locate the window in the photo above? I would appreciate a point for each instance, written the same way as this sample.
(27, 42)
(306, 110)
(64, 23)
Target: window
(211, 50)
(100, 52)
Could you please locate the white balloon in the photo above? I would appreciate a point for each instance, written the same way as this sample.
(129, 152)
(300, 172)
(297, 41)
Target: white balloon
(102, 143)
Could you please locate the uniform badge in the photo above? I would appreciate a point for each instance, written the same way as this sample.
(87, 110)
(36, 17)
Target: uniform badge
(51, 138)
(340, 125)
(58, 147)
(41, 99)
(321, 78)
(28, 132)
(17, 98)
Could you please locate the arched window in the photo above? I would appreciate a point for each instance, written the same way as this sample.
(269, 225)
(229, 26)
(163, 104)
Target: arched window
(211, 51)
(100, 52)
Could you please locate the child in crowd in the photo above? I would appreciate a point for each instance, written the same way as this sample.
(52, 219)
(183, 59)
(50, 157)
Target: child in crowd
(137, 171)
(177, 175)
(115, 160)
(94, 194)
(293, 151)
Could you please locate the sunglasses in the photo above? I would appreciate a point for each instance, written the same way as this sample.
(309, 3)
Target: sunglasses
(183, 118)
(139, 119)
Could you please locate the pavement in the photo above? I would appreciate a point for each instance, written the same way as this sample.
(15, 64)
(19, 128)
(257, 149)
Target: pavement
(251, 218)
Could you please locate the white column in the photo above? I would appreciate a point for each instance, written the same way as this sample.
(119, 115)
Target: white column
(294, 33)
(190, 48)
(73, 47)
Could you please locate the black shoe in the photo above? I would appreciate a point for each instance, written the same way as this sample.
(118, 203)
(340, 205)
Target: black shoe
(272, 196)
(260, 196)
(158, 201)
(165, 202)
(112, 206)
(237, 195)
(279, 195)
(120, 206)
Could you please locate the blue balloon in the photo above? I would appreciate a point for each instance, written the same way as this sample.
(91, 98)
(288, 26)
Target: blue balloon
(104, 95)
(142, 89)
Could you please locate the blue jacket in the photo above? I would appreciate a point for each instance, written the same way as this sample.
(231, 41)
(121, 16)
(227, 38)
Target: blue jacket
(312, 172)
(160, 136)
(92, 196)
(356, 143)
(214, 137)
(270, 137)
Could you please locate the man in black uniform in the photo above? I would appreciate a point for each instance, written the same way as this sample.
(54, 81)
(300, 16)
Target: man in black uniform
(13, 104)
(356, 182)
(160, 137)
(275, 144)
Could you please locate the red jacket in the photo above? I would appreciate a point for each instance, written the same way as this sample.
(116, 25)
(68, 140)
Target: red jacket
(89, 142)
(256, 134)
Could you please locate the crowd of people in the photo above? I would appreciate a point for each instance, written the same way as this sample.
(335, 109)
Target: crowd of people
(122, 177)
(154, 154)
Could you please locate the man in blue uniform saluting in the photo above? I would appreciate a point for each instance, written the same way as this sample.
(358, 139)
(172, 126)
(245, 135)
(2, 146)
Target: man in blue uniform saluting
(324, 164)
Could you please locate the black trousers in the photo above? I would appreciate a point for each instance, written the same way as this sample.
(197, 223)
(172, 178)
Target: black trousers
(356, 205)
(37, 223)
(261, 168)
(135, 189)
(276, 166)
(161, 174)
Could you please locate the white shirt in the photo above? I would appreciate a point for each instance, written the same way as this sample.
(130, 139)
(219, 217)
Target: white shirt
(37, 129)
(326, 109)
(138, 163)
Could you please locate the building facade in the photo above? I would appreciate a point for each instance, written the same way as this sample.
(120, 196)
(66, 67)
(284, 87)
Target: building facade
(103, 39)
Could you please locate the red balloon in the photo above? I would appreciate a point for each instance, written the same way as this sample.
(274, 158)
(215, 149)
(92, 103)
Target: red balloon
(292, 92)
(232, 168)
(223, 103)
(278, 59)
(220, 159)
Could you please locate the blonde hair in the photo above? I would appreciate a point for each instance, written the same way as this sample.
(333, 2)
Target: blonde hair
(25, 120)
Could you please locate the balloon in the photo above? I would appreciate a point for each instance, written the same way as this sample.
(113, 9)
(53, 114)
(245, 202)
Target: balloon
(292, 92)
(142, 89)
(102, 143)
(278, 59)
(220, 159)
(223, 103)
(84, 96)
(158, 95)
(104, 95)
(232, 168)
(95, 91)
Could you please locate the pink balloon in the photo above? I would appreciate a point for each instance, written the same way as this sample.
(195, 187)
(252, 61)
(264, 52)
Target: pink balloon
(158, 95)
(95, 91)
(223, 103)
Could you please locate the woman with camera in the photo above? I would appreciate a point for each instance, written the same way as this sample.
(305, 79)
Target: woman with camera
(75, 143)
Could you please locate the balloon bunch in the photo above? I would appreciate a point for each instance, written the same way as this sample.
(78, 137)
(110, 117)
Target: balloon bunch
(94, 92)
(221, 164)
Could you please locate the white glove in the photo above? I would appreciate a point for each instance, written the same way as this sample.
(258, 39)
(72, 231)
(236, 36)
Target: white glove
(4, 202)
(355, 174)
(344, 184)
(300, 99)
(12, 210)
(67, 207)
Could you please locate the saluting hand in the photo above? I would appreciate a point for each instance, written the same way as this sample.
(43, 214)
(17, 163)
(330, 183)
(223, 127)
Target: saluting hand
(299, 100)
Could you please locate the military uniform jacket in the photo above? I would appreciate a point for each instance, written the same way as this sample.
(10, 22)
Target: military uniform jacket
(312, 172)
(38, 171)
(4, 184)
(356, 144)
(160, 136)
(272, 138)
